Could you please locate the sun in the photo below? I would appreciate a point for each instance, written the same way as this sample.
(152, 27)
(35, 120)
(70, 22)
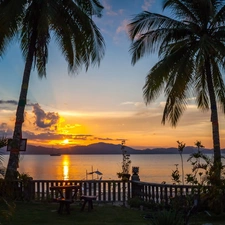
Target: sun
(66, 141)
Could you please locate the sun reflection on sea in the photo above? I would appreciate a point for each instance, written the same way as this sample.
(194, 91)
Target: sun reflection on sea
(66, 163)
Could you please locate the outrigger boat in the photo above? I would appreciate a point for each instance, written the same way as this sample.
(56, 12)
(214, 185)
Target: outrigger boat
(97, 172)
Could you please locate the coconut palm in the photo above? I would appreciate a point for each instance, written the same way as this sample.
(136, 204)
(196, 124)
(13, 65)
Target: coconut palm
(191, 50)
(36, 21)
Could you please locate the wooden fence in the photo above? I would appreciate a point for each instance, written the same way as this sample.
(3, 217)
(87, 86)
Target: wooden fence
(106, 190)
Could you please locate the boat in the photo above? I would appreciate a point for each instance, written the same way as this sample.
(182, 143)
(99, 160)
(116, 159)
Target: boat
(55, 154)
(97, 172)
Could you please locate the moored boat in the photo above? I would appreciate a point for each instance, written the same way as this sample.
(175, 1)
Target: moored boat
(55, 154)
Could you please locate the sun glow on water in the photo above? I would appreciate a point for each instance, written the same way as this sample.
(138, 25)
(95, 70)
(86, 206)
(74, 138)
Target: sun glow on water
(66, 165)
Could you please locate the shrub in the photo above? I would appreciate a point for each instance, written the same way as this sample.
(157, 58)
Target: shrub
(167, 218)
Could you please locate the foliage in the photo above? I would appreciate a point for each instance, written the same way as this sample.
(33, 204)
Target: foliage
(35, 24)
(191, 49)
(204, 175)
(8, 211)
(125, 174)
(176, 175)
(24, 177)
(6, 200)
(3, 142)
(137, 202)
(181, 147)
(165, 217)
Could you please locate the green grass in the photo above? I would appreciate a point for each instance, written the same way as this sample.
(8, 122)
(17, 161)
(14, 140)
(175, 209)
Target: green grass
(105, 214)
(46, 213)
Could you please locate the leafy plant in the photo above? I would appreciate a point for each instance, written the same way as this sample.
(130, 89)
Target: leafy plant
(176, 175)
(204, 174)
(165, 217)
(181, 147)
(136, 202)
(125, 174)
(5, 192)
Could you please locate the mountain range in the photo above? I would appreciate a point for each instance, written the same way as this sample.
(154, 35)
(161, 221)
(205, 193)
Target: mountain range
(105, 148)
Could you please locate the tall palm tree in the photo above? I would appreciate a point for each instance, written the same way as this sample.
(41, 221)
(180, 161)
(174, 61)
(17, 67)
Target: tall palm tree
(191, 50)
(78, 37)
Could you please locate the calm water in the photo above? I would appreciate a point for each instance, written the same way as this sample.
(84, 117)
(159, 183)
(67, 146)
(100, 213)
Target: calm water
(152, 168)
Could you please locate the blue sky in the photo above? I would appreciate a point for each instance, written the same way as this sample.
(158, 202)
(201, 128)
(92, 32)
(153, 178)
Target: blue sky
(104, 104)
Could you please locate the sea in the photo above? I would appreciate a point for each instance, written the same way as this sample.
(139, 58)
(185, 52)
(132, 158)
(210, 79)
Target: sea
(155, 168)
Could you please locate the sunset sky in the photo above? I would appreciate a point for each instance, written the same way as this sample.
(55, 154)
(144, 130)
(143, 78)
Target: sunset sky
(104, 104)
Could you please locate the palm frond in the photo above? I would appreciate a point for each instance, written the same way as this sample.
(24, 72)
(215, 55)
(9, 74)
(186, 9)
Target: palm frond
(78, 37)
(10, 16)
(91, 7)
(219, 86)
(147, 32)
(180, 9)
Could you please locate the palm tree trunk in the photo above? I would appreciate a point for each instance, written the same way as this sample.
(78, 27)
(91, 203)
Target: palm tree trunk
(13, 163)
(215, 124)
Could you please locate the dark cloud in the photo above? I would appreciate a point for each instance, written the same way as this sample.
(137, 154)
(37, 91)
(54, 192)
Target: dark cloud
(103, 139)
(109, 139)
(80, 136)
(14, 102)
(42, 136)
(11, 102)
(44, 120)
(54, 136)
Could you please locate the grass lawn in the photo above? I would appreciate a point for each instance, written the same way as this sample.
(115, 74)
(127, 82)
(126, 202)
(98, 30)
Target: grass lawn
(46, 213)
(108, 214)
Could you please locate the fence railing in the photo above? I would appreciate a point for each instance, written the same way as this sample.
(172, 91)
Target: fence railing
(163, 193)
(105, 190)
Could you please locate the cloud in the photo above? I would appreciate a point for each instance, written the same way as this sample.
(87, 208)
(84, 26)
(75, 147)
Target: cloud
(11, 102)
(108, 9)
(147, 4)
(103, 139)
(45, 120)
(6, 104)
(81, 136)
(123, 27)
(53, 136)
(137, 104)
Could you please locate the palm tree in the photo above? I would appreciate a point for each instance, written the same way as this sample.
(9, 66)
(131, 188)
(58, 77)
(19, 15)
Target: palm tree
(191, 50)
(78, 37)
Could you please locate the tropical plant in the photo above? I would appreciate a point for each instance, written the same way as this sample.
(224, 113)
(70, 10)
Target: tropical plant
(191, 50)
(181, 147)
(203, 176)
(36, 21)
(125, 174)
(9, 207)
(176, 175)
(167, 217)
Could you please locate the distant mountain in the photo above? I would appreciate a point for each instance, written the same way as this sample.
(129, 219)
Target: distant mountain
(104, 148)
